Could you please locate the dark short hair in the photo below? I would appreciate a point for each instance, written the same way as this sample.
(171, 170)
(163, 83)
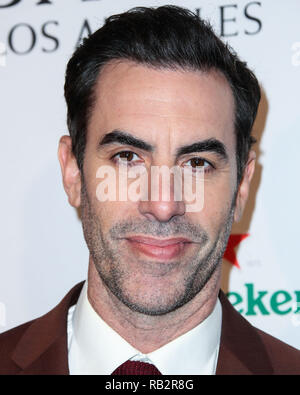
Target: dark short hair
(163, 37)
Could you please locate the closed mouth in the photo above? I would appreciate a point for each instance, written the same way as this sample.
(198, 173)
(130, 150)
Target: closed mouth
(163, 249)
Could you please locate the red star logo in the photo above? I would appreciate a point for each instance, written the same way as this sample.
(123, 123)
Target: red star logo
(229, 253)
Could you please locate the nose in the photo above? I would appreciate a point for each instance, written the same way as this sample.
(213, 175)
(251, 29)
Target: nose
(162, 203)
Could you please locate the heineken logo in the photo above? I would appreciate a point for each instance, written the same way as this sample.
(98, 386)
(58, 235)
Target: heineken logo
(253, 302)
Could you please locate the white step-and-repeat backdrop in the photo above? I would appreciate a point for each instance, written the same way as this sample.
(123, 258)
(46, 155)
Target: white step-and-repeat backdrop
(43, 253)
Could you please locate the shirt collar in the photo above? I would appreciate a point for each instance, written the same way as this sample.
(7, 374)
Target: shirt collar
(95, 348)
(193, 353)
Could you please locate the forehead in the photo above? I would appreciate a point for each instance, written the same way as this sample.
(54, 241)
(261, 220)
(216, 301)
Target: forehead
(145, 100)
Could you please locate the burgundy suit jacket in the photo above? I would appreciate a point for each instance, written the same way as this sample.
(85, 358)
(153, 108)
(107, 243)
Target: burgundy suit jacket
(39, 347)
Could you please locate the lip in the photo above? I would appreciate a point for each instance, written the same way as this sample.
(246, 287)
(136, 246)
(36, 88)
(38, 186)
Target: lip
(162, 249)
(158, 242)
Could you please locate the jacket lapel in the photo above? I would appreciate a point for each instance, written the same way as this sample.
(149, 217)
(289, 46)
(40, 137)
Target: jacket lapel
(43, 348)
(241, 350)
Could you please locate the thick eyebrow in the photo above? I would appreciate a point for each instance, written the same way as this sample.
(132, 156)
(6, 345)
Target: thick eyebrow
(124, 138)
(209, 145)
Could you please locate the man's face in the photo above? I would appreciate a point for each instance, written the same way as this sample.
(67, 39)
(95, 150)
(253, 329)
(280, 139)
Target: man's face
(155, 255)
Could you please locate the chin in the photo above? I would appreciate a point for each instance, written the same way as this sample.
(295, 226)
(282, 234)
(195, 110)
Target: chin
(157, 304)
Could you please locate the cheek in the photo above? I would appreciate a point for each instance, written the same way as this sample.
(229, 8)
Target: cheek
(103, 192)
(109, 213)
(217, 204)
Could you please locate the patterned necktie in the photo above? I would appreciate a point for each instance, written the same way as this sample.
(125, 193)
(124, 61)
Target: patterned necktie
(136, 368)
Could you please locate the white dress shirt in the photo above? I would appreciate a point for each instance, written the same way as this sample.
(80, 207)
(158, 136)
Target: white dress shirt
(96, 349)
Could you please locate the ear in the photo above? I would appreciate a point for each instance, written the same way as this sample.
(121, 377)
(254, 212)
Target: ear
(70, 171)
(244, 187)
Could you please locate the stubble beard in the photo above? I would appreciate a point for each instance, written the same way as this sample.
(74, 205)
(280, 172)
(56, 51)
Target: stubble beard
(107, 256)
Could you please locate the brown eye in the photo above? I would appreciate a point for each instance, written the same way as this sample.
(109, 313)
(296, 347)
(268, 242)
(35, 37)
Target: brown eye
(198, 162)
(125, 157)
(128, 155)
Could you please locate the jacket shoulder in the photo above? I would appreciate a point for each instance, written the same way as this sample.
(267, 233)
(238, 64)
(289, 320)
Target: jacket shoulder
(8, 342)
(285, 358)
(39, 346)
(245, 349)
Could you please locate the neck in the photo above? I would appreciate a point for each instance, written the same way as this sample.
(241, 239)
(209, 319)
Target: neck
(148, 333)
